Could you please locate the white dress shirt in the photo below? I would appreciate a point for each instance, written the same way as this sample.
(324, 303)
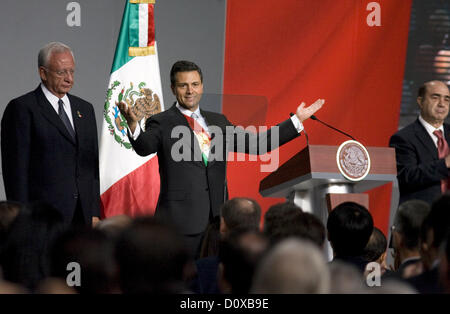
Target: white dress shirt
(53, 100)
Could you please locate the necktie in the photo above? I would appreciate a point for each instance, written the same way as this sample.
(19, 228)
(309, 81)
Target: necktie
(202, 136)
(65, 119)
(443, 151)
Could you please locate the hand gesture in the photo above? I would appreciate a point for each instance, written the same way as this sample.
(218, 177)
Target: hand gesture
(304, 113)
(129, 115)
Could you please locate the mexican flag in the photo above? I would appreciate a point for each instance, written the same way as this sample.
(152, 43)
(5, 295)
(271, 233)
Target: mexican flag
(129, 184)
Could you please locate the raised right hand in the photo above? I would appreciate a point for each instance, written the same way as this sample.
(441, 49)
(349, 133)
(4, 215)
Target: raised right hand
(129, 115)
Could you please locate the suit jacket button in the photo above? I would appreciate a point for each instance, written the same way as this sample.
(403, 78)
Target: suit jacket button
(75, 195)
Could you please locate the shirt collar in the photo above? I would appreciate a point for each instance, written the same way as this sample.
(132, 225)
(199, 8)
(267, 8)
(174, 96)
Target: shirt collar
(430, 129)
(187, 112)
(52, 98)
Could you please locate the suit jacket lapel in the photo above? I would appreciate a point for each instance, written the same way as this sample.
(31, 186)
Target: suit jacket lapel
(426, 139)
(50, 114)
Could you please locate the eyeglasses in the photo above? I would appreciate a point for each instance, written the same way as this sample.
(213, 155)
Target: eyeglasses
(62, 73)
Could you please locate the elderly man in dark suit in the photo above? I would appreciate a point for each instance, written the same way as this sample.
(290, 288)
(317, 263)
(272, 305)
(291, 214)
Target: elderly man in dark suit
(193, 188)
(49, 143)
(421, 148)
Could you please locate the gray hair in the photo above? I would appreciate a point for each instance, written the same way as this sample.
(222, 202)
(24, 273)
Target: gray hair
(292, 266)
(49, 49)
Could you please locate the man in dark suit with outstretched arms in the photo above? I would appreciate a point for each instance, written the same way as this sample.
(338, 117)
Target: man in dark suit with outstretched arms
(192, 189)
(421, 148)
(49, 143)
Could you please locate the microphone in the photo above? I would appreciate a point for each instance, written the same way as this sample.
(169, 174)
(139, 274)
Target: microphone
(304, 131)
(313, 117)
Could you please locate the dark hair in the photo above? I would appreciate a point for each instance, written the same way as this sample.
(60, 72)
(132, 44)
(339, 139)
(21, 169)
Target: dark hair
(298, 224)
(241, 212)
(422, 90)
(184, 66)
(93, 250)
(276, 215)
(211, 238)
(376, 246)
(240, 258)
(25, 256)
(408, 220)
(438, 220)
(349, 228)
(151, 257)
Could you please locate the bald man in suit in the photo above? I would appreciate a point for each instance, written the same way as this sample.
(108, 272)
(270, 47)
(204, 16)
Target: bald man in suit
(422, 166)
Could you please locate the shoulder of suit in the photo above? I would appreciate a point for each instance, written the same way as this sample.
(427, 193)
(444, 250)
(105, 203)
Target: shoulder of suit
(410, 128)
(27, 100)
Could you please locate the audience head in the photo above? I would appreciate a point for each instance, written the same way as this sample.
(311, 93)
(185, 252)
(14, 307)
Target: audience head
(276, 216)
(434, 230)
(444, 265)
(406, 228)
(292, 266)
(151, 257)
(211, 238)
(25, 257)
(375, 250)
(93, 251)
(301, 225)
(239, 212)
(240, 252)
(349, 228)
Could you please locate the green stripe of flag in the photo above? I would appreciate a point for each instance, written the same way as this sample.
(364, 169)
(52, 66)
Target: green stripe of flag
(134, 25)
(130, 20)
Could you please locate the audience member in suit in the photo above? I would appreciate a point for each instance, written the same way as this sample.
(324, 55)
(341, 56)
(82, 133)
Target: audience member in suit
(292, 266)
(151, 258)
(240, 253)
(423, 172)
(349, 226)
(235, 214)
(49, 143)
(193, 176)
(25, 255)
(405, 237)
(432, 235)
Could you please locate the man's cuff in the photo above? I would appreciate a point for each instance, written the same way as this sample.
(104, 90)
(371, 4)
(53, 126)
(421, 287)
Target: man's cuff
(298, 125)
(137, 132)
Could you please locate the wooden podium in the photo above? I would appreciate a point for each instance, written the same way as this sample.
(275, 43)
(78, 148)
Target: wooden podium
(311, 179)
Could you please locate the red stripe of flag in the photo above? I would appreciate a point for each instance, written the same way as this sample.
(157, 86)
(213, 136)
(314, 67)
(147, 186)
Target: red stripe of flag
(151, 25)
